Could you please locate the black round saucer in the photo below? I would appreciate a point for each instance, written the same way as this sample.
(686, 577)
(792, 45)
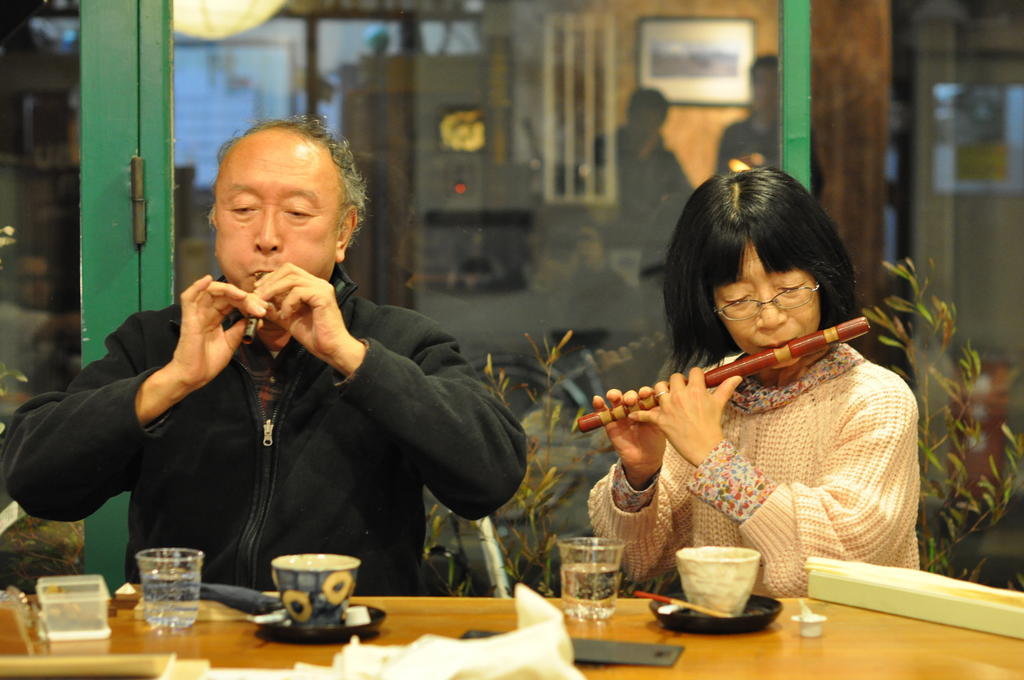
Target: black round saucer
(759, 613)
(286, 631)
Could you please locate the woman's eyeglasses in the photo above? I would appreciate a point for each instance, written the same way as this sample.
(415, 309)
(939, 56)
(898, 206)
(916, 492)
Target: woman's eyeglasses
(791, 298)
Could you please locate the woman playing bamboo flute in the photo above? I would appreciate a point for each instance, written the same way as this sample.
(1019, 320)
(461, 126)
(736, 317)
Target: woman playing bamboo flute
(815, 456)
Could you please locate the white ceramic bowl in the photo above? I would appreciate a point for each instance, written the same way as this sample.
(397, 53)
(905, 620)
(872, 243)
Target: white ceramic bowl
(718, 577)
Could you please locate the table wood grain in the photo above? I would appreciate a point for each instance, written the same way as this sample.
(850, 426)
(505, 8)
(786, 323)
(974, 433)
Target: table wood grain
(856, 643)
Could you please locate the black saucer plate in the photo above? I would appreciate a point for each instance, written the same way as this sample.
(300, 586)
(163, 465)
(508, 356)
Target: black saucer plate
(759, 613)
(284, 631)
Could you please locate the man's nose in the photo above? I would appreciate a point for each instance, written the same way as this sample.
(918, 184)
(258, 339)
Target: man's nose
(268, 235)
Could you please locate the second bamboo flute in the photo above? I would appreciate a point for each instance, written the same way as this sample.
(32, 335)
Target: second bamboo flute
(744, 366)
(251, 322)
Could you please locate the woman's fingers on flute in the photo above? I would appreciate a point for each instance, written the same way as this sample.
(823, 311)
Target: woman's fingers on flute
(658, 393)
(612, 398)
(631, 397)
(724, 391)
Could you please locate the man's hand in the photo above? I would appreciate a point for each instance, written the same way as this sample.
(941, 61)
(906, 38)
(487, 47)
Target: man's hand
(204, 347)
(305, 307)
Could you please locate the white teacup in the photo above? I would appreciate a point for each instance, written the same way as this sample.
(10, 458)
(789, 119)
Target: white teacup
(718, 577)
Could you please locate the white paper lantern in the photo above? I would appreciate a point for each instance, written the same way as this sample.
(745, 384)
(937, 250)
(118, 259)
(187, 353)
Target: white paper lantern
(213, 19)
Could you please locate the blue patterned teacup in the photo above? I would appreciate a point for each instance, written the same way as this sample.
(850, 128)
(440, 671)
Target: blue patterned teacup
(315, 588)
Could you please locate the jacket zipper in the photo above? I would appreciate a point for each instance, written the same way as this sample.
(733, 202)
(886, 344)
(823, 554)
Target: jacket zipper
(248, 544)
(243, 570)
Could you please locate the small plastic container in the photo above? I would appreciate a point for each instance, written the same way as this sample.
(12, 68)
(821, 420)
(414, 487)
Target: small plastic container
(74, 607)
(357, 615)
(810, 623)
(810, 626)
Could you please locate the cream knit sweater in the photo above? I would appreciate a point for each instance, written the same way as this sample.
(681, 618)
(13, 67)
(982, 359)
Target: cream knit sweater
(844, 457)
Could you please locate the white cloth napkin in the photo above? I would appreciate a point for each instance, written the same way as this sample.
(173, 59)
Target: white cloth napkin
(540, 649)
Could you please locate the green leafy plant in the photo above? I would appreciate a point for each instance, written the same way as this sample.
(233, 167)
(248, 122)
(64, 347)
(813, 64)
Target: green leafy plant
(445, 571)
(528, 524)
(957, 500)
(7, 374)
(548, 499)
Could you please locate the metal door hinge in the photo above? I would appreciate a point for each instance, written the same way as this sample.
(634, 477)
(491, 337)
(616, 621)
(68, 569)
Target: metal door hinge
(138, 202)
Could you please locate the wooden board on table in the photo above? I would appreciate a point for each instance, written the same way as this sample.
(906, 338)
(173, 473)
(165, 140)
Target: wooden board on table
(947, 608)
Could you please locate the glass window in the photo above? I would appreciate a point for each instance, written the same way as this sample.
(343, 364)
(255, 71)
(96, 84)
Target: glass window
(526, 164)
(537, 171)
(967, 164)
(953, 166)
(40, 321)
(341, 46)
(220, 88)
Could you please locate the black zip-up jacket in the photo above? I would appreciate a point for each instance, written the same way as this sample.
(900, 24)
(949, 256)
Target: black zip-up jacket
(343, 471)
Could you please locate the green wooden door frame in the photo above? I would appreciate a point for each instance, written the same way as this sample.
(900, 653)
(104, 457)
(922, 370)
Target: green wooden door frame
(126, 94)
(156, 142)
(795, 102)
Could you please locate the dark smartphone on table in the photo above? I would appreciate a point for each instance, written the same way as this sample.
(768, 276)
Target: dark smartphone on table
(607, 652)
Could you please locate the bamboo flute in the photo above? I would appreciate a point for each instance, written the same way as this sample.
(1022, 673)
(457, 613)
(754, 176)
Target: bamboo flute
(743, 366)
(251, 322)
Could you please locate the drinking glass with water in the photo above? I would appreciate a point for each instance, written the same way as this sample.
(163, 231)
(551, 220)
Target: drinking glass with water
(590, 576)
(170, 586)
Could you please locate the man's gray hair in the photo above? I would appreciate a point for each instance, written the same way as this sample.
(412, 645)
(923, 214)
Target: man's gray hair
(313, 129)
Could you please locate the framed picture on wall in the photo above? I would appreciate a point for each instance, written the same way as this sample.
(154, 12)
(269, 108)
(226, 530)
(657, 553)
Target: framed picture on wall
(700, 61)
(979, 138)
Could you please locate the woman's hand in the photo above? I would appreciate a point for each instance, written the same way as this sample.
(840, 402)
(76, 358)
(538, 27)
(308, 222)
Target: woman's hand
(688, 414)
(640, 446)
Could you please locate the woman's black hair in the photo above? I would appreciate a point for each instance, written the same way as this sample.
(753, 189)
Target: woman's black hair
(770, 210)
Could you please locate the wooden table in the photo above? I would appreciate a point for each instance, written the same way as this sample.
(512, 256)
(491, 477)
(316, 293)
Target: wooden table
(856, 643)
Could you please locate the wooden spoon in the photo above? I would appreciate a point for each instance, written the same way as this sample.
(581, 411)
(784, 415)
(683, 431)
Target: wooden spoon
(683, 603)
